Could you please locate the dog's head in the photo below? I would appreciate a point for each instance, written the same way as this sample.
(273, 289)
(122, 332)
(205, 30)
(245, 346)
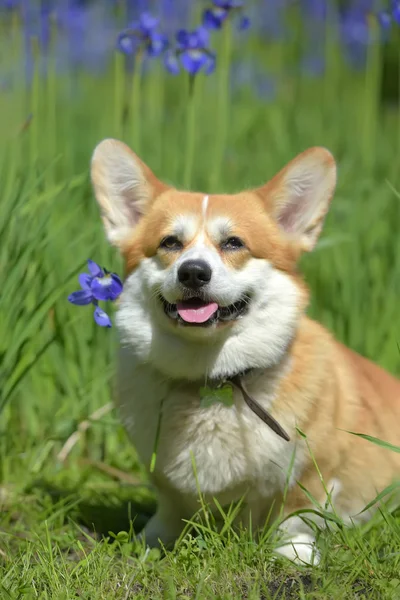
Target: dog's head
(211, 281)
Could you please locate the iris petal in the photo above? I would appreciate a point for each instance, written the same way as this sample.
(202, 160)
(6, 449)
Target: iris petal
(385, 20)
(203, 37)
(211, 62)
(81, 298)
(228, 4)
(101, 317)
(106, 288)
(94, 269)
(244, 23)
(148, 22)
(193, 61)
(157, 44)
(85, 280)
(182, 38)
(192, 51)
(211, 20)
(115, 287)
(129, 40)
(222, 3)
(171, 62)
(192, 40)
(100, 288)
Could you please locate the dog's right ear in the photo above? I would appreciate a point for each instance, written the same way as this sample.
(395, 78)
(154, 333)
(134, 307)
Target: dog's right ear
(124, 187)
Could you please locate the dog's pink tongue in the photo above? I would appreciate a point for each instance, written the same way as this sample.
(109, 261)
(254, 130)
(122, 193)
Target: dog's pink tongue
(198, 312)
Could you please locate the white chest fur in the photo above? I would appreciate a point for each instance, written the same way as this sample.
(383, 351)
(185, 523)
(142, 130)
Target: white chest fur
(233, 450)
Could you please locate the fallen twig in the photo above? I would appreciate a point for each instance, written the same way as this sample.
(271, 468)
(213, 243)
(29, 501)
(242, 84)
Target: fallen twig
(112, 471)
(82, 427)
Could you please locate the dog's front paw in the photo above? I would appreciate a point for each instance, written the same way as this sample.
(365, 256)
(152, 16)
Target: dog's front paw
(158, 533)
(301, 549)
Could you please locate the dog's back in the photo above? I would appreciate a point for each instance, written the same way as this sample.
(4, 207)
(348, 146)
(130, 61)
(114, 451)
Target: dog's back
(334, 391)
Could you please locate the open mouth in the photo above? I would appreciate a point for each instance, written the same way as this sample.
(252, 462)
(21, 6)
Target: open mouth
(202, 313)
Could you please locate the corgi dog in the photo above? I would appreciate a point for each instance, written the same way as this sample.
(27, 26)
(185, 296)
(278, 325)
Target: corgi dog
(212, 293)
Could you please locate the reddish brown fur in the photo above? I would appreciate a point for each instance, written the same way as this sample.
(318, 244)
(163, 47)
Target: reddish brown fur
(254, 226)
(333, 390)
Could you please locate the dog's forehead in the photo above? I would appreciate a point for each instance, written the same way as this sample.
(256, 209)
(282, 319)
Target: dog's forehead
(199, 219)
(217, 215)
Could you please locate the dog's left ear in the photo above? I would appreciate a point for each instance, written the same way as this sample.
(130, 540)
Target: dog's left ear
(124, 187)
(298, 196)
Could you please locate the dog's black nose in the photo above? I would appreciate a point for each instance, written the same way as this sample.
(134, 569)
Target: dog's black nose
(194, 274)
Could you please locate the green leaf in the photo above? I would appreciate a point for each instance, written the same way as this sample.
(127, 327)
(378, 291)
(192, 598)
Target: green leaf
(301, 433)
(375, 440)
(388, 490)
(222, 394)
(323, 514)
(311, 498)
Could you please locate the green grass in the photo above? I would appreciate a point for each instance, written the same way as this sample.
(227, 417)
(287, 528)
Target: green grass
(57, 366)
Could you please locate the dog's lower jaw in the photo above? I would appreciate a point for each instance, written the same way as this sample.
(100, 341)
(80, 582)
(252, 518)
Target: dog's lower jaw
(235, 352)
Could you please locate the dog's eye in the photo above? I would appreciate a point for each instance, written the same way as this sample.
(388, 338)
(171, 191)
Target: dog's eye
(171, 242)
(232, 243)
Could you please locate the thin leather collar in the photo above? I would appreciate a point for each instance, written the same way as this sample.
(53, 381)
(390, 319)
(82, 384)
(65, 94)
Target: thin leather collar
(260, 411)
(257, 409)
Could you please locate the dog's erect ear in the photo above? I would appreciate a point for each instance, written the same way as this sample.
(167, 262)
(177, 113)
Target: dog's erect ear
(124, 187)
(298, 196)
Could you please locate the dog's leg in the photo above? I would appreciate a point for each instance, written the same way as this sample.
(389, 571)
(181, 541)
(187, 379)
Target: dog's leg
(299, 542)
(166, 525)
(255, 513)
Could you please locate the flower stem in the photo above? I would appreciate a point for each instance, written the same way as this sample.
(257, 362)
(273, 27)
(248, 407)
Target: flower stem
(51, 88)
(157, 439)
(136, 100)
(331, 91)
(190, 132)
(155, 103)
(34, 104)
(222, 111)
(119, 63)
(371, 98)
(398, 116)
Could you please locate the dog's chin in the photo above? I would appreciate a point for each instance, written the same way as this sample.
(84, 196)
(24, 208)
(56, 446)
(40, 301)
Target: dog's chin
(200, 316)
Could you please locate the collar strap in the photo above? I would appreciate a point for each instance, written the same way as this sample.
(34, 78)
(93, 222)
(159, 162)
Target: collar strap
(257, 409)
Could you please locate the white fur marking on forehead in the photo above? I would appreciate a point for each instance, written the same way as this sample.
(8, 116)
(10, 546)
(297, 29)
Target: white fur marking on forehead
(219, 228)
(185, 226)
(204, 207)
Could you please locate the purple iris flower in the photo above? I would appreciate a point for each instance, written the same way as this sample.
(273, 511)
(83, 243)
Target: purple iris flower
(355, 28)
(97, 285)
(252, 75)
(142, 34)
(269, 18)
(191, 52)
(313, 65)
(214, 17)
(315, 9)
(9, 4)
(357, 34)
(44, 23)
(396, 11)
(385, 19)
(85, 35)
